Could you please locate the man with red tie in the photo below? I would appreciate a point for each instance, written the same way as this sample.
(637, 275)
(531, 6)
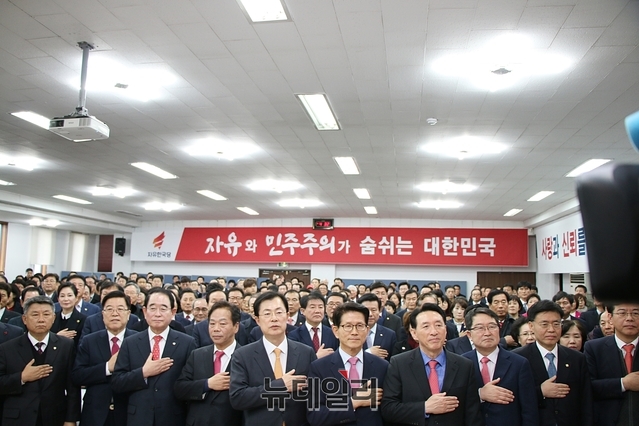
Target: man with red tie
(312, 332)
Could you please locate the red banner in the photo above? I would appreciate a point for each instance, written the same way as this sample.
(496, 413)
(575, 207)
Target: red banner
(390, 246)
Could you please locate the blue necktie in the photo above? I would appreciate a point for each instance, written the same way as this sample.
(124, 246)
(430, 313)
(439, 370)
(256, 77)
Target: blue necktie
(552, 370)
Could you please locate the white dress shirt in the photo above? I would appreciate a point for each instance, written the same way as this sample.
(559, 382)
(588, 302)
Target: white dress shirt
(162, 344)
(228, 352)
(271, 355)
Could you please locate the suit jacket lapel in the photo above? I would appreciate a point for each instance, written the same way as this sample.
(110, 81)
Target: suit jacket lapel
(419, 371)
(262, 360)
(503, 364)
(306, 337)
(451, 371)
(172, 342)
(104, 348)
(51, 353)
(24, 349)
(291, 358)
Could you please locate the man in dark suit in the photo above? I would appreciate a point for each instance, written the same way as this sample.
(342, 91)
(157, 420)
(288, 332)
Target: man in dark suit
(49, 285)
(205, 380)
(295, 317)
(361, 368)
(312, 333)
(187, 297)
(150, 362)
(460, 345)
(386, 319)
(503, 379)
(5, 314)
(590, 318)
(614, 370)
(429, 385)
(236, 298)
(498, 303)
(200, 312)
(380, 340)
(95, 363)
(333, 300)
(273, 361)
(35, 372)
(561, 380)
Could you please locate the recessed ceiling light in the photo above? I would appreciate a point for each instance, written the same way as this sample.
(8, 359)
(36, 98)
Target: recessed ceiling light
(464, 147)
(370, 209)
(362, 193)
(72, 199)
(33, 118)
(150, 168)
(513, 212)
(299, 202)
(274, 185)
(6, 183)
(541, 195)
(167, 207)
(222, 149)
(212, 195)
(264, 10)
(318, 108)
(22, 162)
(446, 187)
(51, 223)
(347, 165)
(100, 191)
(439, 204)
(248, 211)
(587, 166)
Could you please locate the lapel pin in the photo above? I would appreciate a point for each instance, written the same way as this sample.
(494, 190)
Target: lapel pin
(381, 335)
(54, 348)
(173, 343)
(567, 365)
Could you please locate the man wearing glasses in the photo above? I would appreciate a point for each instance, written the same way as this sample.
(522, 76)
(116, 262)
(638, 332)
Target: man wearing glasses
(560, 374)
(95, 362)
(273, 362)
(614, 369)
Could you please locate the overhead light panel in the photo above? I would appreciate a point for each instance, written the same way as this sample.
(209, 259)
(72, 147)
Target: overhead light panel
(167, 207)
(101, 191)
(347, 165)
(248, 211)
(72, 199)
(6, 183)
(541, 195)
(362, 193)
(513, 212)
(51, 223)
(320, 111)
(299, 202)
(370, 209)
(212, 195)
(23, 162)
(33, 118)
(439, 204)
(264, 10)
(275, 185)
(150, 168)
(587, 166)
(446, 187)
(464, 147)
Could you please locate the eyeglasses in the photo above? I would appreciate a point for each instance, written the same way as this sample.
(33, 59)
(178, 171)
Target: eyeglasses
(269, 314)
(489, 327)
(349, 327)
(110, 310)
(622, 314)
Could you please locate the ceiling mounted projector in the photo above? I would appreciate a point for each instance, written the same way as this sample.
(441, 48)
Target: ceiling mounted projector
(79, 126)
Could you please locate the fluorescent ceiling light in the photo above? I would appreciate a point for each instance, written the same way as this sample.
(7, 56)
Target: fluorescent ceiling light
(212, 195)
(299, 202)
(264, 10)
(167, 207)
(439, 204)
(370, 209)
(320, 111)
(362, 193)
(150, 168)
(248, 211)
(513, 212)
(6, 183)
(222, 149)
(100, 191)
(464, 147)
(22, 162)
(33, 118)
(72, 199)
(446, 187)
(541, 195)
(347, 165)
(51, 223)
(275, 185)
(587, 166)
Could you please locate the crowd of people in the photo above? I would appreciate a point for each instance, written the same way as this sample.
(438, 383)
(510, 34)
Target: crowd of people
(140, 351)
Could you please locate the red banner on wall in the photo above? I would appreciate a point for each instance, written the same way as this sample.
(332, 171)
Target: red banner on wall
(390, 246)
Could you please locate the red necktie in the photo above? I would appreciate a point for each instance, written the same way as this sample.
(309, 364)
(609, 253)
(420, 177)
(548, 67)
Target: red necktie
(217, 363)
(433, 379)
(316, 343)
(115, 348)
(156, 348)
(353, 375)
(628, 356)
(485, 375)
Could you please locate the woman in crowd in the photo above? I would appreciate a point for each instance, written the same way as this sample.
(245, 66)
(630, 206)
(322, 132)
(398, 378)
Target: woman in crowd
(68, 322)
(390, 307)
(521, 332)
(459, 307)
(394, 297)
(532, 299)
(514, 307)
(579, 305)
(573, 335)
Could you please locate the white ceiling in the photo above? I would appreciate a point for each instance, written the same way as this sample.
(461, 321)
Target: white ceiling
(373, 58)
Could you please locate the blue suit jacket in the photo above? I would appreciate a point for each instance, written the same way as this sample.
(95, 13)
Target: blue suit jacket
(385, 338)
(89, 370)
(459, 346)
(151, 401)
(8, 332)
(200, 332)
(250, 366)
(180, 318)
(87, 309)
(606, 367)
(515, 375)
(96, 323)
(301, 334)
(329, 366)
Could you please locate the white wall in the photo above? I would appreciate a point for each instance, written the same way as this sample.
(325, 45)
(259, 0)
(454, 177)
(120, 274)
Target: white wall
(18, 249)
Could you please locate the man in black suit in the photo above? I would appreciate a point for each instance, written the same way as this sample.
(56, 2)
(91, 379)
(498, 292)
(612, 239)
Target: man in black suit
(476, 298)
(498, 303)
(35, 372)
(273, 361)
(590, 318)
(96, 321)
(235, 297)
(295, 317)
(332, 302)
(614, 369)
(205, 380)
(380, 340)
(200, 312)
(429, 385)
(5, 314)
(95, 363)
(187, 297)
(150, 362)
(201, 330)
(561, 379)
(313, 333)
(49, 285)
(386, 319)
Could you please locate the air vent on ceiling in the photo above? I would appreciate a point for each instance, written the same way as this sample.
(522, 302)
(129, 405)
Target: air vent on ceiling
(128, 213)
